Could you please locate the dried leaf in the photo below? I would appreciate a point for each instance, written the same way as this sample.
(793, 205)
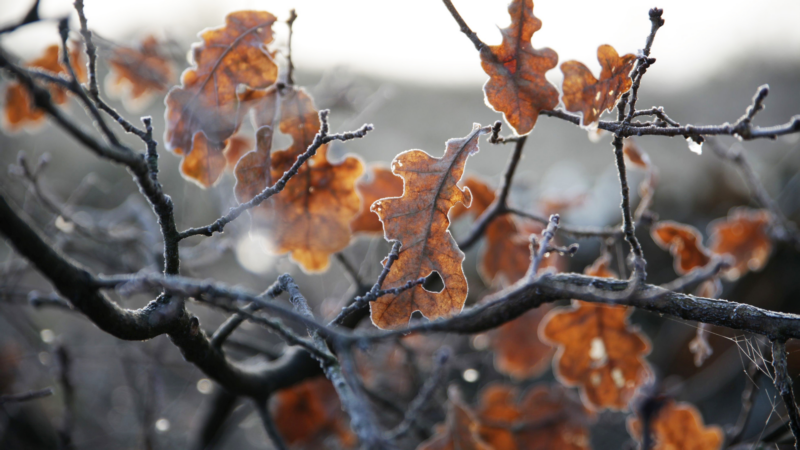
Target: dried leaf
(311, 217)
(460, 431)
(547, 417)
(310, 411)
(634, 155)
(19, 109)
(743, 235)
(518, 351)
(586, 94)
(679, 426)
(419, 221)
(236, 147)
(517, 86)
(254, 172)
(598, 349)
(381, 184)
(207, 101)
(137, 74)
(684, 242)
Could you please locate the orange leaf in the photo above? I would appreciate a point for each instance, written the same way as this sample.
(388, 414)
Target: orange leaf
(19, 109)
(547, 417)
(419, 221)
(634, 155)
(310, 411)
(598, 349)
(382, 184)
(743, 235)
(460, 431)
(236, 147)
(311, 217)
(679, 426)
(517, 86)
(206, 101)
(253, 172)
(684, 242)
(586, 94)
(518, 351)
(139, 72)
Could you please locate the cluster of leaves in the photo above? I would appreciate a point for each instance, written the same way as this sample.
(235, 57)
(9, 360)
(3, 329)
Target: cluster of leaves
(594, 347)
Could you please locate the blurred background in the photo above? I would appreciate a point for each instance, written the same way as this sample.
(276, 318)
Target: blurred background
(406, 68)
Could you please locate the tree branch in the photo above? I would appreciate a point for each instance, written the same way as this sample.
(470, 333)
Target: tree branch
(783, 382)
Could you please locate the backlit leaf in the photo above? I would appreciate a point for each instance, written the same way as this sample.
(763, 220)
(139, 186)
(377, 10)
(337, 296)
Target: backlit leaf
(419, 221)
(517, 86)
(137, 74)
(679, 426)
(589, 96)
(598, 349)
(684, 242)
(744, 236)
(311, 217)
(547, 417)
(206, 100)
(19, 109)
(381, 184)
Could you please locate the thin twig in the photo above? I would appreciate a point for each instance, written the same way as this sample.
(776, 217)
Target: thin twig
(269, 425)
(479, 45)
(26, 396)
(537, 257)
(783, 382)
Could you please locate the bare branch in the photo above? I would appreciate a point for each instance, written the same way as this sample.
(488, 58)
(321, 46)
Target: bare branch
(479, 45)
(783, 382)
(26, 396)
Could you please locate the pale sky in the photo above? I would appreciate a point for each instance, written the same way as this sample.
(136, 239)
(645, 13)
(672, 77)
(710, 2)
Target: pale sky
(417, 40)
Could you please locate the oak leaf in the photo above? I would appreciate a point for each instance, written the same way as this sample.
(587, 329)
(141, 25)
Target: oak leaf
(381, 184)
(460, 431)
(547, 417)
(517, 86)
(591, 97)
(419, 220)
(518, 351)
(308, 412)
(207, 101)
(743, 235)
(684, 242)
(506, 254)
(598, 349)
(137, 74)
(19, 109)
(311, 217)
(679, 426)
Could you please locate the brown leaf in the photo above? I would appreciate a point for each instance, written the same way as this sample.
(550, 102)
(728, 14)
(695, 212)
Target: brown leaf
(684, 242)
(19, 109)
(311, 217)
(518, 351)
(547, 417)
(308, 412)
(207, 101)
(517, 86)
(139, 73)
(679, 426)
(381, 184)
(460, 431)
(236, 147)
(419, 221)
(744, 236)
(634, 155)
(589, 96)
(699, 346)
(253, 172)
(598, 349)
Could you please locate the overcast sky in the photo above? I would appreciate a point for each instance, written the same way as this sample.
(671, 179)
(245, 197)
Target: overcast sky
(417, 40)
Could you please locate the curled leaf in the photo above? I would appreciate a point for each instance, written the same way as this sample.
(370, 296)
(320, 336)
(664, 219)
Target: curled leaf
(308, 412)
(743, 235)
(419, 221)
(547, 417)
(311, 217)
(460, 431)
(598, 349)
(19, 109)
(137, 74)
(517, 86)
(589, 96)
(684, 242)
(207, 100)
(381, 184)
(679, 426)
